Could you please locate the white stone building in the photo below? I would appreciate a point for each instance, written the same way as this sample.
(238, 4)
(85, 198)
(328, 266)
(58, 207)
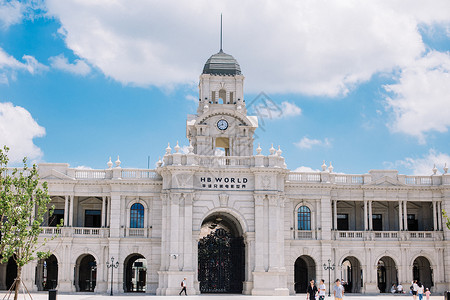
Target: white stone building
(240, 223)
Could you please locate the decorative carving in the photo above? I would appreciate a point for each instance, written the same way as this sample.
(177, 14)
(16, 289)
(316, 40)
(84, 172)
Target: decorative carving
(266, 182)
(223, 199)
(273, 200)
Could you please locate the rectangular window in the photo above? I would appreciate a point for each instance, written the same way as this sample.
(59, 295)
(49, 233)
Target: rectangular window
(342, 222)
(92, 218)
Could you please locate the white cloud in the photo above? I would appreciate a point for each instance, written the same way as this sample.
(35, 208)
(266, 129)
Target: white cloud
(79, 67)
(9, 66)
(17, 131)
(424, 165)
(192, 98)
(305, 169)
(268, 110)
(307, 143)
(312, 47)
(421, 97)
(13, 11)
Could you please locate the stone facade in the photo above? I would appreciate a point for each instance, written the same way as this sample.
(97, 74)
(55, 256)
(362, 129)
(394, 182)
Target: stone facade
(377, 228)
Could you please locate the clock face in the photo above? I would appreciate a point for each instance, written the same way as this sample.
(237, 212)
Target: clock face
(222, 124)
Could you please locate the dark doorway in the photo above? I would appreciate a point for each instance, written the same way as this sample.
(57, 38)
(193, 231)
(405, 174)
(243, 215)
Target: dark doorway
(342, 222)
(87, 273)
(55, 219)
(352, 275)
(221, 256)
(422, 271)
(304, 271)
(11, 272)
(47, 274)
(92, 218)
(377, 222)
(413, 223)
(386, 274)
(135, 274)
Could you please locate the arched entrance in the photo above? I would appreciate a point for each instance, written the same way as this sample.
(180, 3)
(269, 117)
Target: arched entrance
(386, 274)
(11, 273)
(47, 273)
(87, 273)
(352, 274)
(135, 275)
(221, 255)
(304, 271)
(422, 271)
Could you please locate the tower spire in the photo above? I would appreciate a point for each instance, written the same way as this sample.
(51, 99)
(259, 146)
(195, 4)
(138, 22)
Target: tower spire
(221, 33)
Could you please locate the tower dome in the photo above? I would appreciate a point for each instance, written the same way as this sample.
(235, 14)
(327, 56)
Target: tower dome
(222, 64)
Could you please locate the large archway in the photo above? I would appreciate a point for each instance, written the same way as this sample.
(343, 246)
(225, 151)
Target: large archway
(304, 271)
(221, 255)
(47, 273)
(135, 275)
(352, 274)
(86, 273)
(386, 274)
(422, 271)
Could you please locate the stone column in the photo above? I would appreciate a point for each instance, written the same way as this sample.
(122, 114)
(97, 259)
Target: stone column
(335, 215)
(400, 214)
(435, 222)
(174, 236)
(405, 215)
(365, 215)
(370, 216)
(326, 215)
(115, 211)
(273, 233)
(71, 214)
(66, 210)
(187, 233)
(108, 211)
(259, 232)
(103, 211)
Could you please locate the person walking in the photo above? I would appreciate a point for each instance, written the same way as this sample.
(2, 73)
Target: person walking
(311, 291)
(428, 293)
(323, 290)
(420, 290)
(183, 287)
(414, 289)
(338, 290)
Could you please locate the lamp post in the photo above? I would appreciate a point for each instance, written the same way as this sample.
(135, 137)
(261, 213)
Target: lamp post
(329, 268)
(112, 265)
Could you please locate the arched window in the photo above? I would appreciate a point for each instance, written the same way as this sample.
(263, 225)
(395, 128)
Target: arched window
(137, 216)
(304, 218)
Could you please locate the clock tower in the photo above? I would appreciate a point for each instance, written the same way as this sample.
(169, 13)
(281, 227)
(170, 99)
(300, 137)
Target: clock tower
(221, 125)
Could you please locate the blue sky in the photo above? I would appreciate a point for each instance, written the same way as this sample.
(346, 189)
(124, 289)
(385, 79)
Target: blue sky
(365, 85)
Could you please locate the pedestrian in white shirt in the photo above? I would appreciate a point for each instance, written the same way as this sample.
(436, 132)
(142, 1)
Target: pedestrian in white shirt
(322, 289)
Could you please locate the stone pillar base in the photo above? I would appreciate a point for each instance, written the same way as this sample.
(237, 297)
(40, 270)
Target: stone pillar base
(170, 283)
(269, 284)
(371, 288)
(103, 287)
(247, 287)
(65, 286)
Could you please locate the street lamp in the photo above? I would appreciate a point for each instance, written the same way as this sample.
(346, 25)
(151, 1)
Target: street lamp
(329, 268)
(112, 265)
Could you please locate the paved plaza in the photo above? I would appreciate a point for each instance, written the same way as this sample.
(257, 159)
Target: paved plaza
(78, 296)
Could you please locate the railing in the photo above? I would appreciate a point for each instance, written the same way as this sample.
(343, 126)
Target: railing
(139, 173)
(90, 174)
(389, 235)
(349, 179)
(304, 177)
(75, 232)
(385, 235)
(418, 180)
(350, 234)
(219, 161)
(304, 234)
(136, 232)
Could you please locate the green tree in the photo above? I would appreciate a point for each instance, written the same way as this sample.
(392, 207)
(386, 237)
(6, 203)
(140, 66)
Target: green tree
(447, 219)
(24, 205)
